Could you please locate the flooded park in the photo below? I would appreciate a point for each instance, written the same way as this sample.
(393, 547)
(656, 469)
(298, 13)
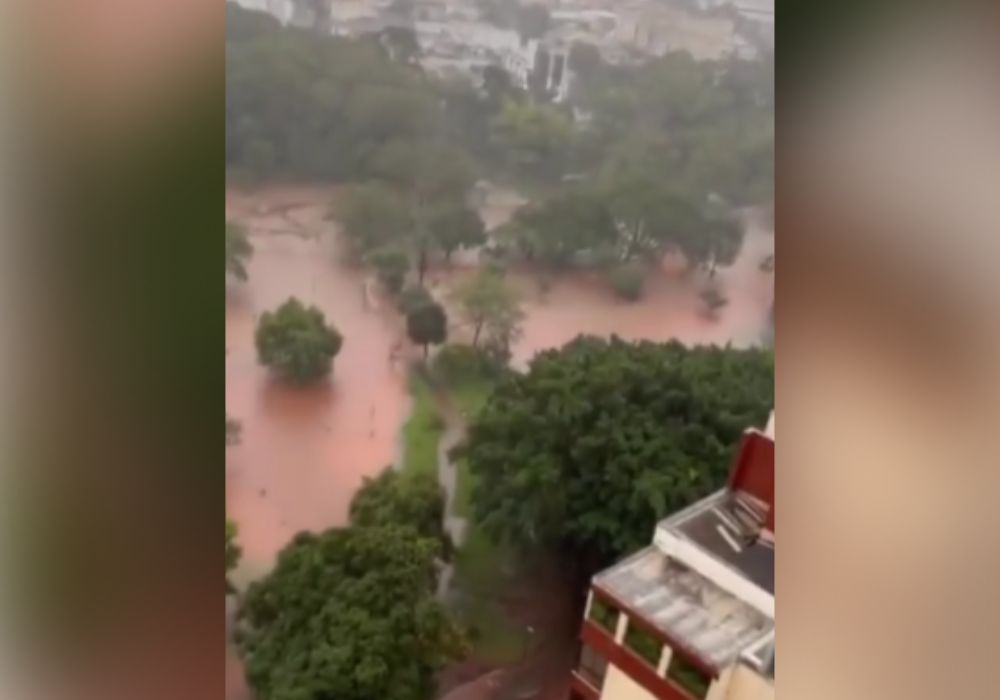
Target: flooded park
(304, 451)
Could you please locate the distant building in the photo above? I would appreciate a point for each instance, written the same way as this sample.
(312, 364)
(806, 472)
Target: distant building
(691, 617)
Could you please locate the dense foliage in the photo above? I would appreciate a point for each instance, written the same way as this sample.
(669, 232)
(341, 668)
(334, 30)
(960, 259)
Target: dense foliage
(601, 438)
(427, 324)
(407, 500)
(301, 104)
(347, 614)
(296, 342)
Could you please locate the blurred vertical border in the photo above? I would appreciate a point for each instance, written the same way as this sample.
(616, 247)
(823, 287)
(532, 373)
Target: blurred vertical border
(887, 334)
(114, 491)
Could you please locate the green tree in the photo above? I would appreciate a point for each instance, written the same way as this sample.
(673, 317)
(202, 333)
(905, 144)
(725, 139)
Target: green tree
(238, 251)
(391, 264)
(488, 304)
(233, 551)
(349, 614)
(453, 226)
(535, 139)
(296, 341)
(559, 227)
(600, 439)
(392, 498)
(373, 215)
(427, 325)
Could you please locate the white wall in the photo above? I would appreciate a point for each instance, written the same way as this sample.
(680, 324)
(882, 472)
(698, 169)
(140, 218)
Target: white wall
(618, 686)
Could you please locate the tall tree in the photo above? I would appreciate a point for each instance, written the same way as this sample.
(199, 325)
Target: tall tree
(600, 439)
(238, 251)
(414, 501)
(488, 304)
(296, 342)
(349, 614)
(452, 226)
(427, 325)
(373, 215)
(557, 228)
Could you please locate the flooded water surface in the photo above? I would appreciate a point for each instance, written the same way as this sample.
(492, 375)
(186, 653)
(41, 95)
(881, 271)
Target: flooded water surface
(304, 450)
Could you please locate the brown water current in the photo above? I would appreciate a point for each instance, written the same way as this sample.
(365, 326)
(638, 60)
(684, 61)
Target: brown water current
(305, 450)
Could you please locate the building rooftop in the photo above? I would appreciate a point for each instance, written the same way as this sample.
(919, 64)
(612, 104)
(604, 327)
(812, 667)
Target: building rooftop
(710, 525)
(686, 606)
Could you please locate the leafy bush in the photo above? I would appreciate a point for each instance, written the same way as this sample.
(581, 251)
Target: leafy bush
(627, 281)
(296, 342)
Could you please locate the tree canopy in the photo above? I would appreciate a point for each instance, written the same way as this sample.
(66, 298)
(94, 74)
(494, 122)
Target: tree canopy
(295, 341)
(373, 215)
(392, 498)
(347, 614)
(490, 306)
(305, 104)
(427, 324)
(600, 439)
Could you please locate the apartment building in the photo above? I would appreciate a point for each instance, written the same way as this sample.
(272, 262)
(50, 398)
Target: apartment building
(691, 617)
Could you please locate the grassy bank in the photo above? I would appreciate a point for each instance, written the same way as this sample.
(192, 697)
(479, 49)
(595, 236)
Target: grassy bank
(496, 638)
(422, 431)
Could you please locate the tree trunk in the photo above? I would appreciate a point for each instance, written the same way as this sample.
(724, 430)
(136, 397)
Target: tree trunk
(447, 255)
(475, 336)
(421, 265)
(426, 347)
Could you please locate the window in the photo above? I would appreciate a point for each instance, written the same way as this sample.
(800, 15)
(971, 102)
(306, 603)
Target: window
(688, 676)
(643, 643)
(603, 613)
(593, 666)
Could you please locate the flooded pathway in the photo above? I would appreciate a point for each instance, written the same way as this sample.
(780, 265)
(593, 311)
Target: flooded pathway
(304, 450)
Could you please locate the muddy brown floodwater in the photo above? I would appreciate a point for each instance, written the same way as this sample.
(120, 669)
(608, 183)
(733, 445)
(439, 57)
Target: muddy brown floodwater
(303, 450)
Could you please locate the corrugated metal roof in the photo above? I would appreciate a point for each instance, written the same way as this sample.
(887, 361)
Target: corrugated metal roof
(685, 605)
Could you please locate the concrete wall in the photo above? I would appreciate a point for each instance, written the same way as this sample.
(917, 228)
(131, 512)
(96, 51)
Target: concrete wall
(618, 686)
(745, 684)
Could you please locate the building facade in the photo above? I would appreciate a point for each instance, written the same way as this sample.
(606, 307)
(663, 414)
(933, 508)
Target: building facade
(691, 617)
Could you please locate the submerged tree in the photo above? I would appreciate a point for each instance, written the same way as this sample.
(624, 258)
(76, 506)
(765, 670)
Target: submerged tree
(296, 341)
(490, 306)
(238, 251)
(600, 439)
(427, 325)
(373, 215)
(233, 431)
(349, 614)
